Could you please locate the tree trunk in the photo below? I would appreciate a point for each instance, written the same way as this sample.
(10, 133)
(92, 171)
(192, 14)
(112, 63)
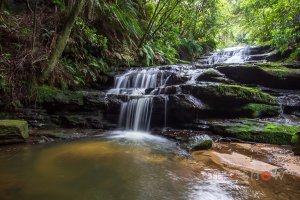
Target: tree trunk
(63, 38)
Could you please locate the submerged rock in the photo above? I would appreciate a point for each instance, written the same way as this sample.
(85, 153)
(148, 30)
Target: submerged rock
(256, 131)
(13, 131)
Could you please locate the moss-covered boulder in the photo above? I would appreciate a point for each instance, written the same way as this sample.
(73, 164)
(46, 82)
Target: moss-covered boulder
(259, 110)
(213, 75)
(198, 143)
(222, 93)
(13, 131)
(276, 75)
(255, 131)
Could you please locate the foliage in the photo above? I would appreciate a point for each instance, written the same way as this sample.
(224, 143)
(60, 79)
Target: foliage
(82, 57)
(112, 34)
(274, 22)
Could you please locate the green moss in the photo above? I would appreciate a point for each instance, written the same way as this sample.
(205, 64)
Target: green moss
(259, 132)
(278, 70)
(213, 72)
(296, 139)
(204, 145)
(9, 128)
(243, 93)
(47, 94)
(261, 110)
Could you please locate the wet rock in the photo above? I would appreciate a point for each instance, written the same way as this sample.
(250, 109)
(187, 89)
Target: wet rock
(180, 135)
(290, 103)
(257, 131)
(270, 75)
(13, 131)
(180, 109)
(200, 142)
(209, 75)
(176, 79)
(258, 110)
(94, 99)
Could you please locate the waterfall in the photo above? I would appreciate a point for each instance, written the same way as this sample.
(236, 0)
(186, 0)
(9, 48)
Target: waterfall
(136, 114)
(166, 108)
(230, 55)
(138, 79)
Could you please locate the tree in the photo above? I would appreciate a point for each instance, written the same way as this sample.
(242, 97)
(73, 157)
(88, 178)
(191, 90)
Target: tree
(63, 37)
(162, 12)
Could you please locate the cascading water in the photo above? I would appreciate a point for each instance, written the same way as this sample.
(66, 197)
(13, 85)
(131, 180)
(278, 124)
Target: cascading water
(166, 108)
(137, 80)
(136, 114)
(230, 55)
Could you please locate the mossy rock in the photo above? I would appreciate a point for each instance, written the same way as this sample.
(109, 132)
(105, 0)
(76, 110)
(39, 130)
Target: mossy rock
(209, 75)
(254, 131)
(54, 96)
(229, 93)
(260, 110)
(13, 131)
(198, 143)
(204, 145)
(275, 75)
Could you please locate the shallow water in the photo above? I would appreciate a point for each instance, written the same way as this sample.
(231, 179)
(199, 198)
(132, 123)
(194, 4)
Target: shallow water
(120, 165)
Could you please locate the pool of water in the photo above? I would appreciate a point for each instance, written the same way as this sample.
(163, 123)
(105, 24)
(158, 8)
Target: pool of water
(119, 165)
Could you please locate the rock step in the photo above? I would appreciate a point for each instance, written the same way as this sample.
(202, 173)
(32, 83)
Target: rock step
(270, 75)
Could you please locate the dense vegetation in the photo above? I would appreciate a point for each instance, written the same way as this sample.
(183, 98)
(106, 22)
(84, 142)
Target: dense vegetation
(69, 43)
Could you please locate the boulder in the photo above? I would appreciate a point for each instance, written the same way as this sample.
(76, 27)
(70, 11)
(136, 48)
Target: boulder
(13, 131)
(270, 75)
(210, 75)
(200, 142)
(176, 79)
(254, 110)
(257, 131)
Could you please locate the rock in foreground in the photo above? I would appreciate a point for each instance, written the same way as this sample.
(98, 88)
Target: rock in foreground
(13, 131)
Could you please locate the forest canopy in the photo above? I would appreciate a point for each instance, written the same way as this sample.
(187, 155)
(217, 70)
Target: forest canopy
(71, 43)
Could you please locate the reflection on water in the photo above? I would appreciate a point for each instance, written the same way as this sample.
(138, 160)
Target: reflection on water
(121, 166)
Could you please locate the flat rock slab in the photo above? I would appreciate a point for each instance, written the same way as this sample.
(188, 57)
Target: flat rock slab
(241, 162)
(13, 131)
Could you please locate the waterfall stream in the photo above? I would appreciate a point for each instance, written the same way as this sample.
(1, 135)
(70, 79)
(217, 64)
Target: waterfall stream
(136, 114)
(230, 55)
(142, 85)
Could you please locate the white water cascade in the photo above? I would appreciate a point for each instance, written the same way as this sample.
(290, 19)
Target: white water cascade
(135, 81)
(230, 55)
(136, 114)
